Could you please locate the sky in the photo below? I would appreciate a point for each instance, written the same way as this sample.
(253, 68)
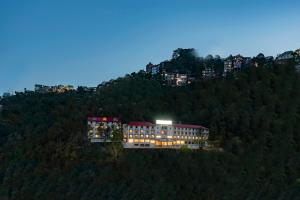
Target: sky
(86, 42)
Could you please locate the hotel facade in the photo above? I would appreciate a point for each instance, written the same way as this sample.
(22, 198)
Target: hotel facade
(164, 134)
(101, 129)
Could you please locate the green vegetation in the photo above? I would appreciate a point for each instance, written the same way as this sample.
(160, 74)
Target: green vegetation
(255, 116)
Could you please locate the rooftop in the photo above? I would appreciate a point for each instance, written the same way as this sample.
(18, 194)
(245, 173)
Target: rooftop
(188, 126)
(140, 124)
(103, 119)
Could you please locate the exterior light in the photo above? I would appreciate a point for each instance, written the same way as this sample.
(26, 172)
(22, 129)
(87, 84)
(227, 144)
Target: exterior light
(164, 122)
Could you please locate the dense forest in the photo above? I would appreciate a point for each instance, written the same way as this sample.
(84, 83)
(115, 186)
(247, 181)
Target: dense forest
(255, 115)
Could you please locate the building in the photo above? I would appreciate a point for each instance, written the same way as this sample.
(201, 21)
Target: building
(42, 89)
(285, 56)
(228, 66)
(238, 62)
(152, 69)
(234, 64)
(102, 129)
(177, 79)
(208, 72)
(61, 88)
(297, 53)
(164, 134)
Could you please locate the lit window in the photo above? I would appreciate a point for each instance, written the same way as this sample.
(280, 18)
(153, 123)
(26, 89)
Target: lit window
(130, 140)
(158, 136)
(147, 136)
(169, 136)
(130, 131)
(142, 136)
(130, 136)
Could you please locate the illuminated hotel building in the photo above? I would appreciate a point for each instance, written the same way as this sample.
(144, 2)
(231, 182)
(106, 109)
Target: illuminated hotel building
(100, 129)
(164, 134)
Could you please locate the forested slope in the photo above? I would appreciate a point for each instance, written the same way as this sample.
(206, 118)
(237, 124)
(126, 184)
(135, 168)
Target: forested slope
(255, 115)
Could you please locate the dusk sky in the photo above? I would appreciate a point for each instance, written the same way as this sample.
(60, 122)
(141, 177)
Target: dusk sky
(87, 42)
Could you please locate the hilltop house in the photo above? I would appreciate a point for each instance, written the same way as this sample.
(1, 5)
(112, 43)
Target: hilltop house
(152, 69)
(55, 89)
(285, 56)
(164, 134)
(234, 64)
(208, 72)
(228, 66)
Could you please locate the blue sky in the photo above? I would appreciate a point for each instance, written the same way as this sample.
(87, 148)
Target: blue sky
(87, 42)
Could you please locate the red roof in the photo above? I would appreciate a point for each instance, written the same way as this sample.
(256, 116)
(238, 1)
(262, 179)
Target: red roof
(188, 126)
(140, 124)
(103, 119)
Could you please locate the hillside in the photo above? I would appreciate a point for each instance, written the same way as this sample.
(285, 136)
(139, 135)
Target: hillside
(255, 115)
